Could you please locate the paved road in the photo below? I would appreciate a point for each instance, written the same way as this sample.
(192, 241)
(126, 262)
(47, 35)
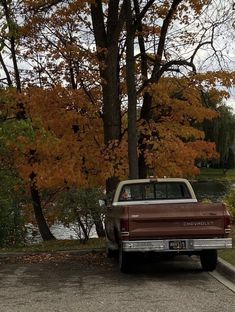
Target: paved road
(81, 284)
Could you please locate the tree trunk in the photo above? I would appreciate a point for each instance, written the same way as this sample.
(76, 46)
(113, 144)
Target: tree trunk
(8, 77)
(146, 110)
(84, 231)
(111, 101)
(16, 69)
(106, 38)
(111, 184)
(40, 219)
(146, 116)
(132, 98)
(12, 31)
(99, 228)
(107, 45)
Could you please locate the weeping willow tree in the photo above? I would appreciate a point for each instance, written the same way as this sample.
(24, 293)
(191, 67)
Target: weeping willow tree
(222, 131)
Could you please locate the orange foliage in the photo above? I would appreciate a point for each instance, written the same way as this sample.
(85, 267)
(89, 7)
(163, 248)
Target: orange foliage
(174, 143)
(67, 146)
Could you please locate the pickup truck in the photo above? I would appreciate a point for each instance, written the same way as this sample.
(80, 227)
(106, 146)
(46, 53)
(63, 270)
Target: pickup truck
(164, 216)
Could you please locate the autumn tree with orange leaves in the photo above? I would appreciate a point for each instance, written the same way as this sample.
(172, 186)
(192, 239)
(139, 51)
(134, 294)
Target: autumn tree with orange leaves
(113, 89)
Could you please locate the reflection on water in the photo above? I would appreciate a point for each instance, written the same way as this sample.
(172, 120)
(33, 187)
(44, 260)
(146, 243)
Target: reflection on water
(213, 190)
(58, 230)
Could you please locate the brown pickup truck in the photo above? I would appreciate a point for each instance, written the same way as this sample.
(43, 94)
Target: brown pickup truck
(164, 216)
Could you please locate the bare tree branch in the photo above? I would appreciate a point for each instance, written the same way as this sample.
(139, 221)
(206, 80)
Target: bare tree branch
(162, 39)
(8, 77)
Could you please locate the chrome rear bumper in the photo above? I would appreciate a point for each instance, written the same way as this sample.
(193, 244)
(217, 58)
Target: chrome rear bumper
(179, 244)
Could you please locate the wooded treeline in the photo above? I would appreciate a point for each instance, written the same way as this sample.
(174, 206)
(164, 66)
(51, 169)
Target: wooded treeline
(97, 91)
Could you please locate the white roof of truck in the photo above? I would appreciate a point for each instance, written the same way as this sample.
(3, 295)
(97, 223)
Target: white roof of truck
(158, 180)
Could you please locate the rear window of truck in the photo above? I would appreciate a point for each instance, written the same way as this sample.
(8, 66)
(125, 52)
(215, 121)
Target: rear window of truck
(154, 191)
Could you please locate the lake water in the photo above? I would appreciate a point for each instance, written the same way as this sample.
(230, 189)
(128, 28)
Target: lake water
(214, 191)
(58, 230)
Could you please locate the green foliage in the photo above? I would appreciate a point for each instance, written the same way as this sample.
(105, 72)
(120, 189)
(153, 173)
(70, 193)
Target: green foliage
(12, 129)
(222, 132)
(230, 201)
(213, 174)
(12, 231)
(81, 208)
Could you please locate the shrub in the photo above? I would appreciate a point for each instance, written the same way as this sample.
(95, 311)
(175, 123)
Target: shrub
(80, 208)
(230, 202)
(12, 230)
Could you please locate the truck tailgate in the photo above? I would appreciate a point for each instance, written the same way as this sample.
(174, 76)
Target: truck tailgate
(175, 220)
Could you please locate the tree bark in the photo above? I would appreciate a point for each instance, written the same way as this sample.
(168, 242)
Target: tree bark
(107, 39)
(107, 46)
(146, 111)
(143, 56)
(39, 216)
(84, 231)
(99, 228)
(8, 77)
(12, 33)
(132, 97)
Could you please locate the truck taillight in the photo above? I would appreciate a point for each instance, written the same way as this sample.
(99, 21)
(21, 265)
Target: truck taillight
(124, 225)
(124, 229)
(227, 221)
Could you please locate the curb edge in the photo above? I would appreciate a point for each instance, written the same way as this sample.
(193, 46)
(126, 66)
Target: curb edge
(226, 269)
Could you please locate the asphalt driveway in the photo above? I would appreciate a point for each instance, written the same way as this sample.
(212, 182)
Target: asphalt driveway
(92, 283)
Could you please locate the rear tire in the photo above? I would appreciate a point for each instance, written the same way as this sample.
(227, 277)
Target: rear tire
(208, 260)
(124, 261)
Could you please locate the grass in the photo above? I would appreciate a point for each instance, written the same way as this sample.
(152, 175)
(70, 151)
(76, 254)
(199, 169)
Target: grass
(208, 174)
(229, 254)
(57, 245)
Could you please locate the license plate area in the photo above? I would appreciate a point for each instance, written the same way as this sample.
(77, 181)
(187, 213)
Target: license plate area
(177, 244)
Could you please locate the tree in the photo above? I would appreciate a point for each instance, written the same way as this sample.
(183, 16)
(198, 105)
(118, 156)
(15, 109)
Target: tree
(81, 208)
(172, 132)
(132, 94)
(165, 63)
(12, 231)
(90, 58)
(58, 145)
(110, 38)
(11, 130)
(221, 130)
(9, 38)
(12, 197)
(110, 43)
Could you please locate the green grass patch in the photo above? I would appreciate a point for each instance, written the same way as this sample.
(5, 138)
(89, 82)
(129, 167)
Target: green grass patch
(58, 245)
(229, 254)
(207, 174)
